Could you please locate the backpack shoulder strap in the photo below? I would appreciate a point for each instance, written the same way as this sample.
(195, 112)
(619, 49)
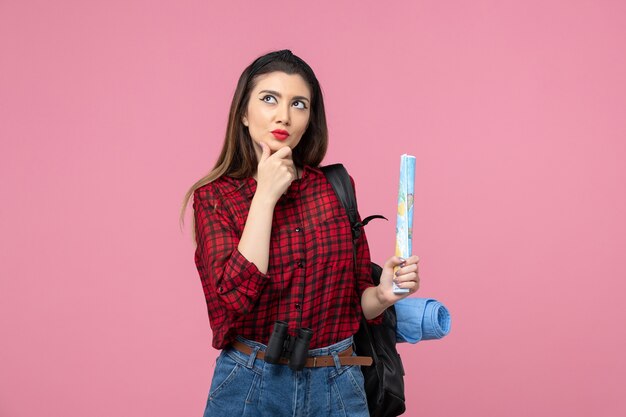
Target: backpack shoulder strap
(340, 181)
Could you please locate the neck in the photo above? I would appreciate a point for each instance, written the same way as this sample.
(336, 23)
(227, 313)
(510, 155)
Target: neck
(299, 172)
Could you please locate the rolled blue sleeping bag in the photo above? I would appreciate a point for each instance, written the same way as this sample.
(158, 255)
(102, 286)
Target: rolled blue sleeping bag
(421, 319)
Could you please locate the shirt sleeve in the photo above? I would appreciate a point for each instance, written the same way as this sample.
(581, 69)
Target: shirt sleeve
(364, 267)
(227, 276)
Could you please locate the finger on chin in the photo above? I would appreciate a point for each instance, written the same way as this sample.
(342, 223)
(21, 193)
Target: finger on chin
(285, 151)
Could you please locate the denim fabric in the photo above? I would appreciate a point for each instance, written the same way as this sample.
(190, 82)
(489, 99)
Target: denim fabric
(421, 319)
(245, 386)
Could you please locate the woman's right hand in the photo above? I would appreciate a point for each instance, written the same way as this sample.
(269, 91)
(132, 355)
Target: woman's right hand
(275, 172)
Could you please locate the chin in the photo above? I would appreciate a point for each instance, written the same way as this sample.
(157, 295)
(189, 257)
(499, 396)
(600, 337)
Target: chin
(279, 146)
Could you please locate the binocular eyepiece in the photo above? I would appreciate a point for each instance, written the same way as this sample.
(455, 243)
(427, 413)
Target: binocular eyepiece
(294, 348)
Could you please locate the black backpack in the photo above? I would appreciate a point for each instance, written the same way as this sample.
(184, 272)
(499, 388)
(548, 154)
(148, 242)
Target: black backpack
(384, 379)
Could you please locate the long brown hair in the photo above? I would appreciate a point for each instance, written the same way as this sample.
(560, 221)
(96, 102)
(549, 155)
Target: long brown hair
(237, 158)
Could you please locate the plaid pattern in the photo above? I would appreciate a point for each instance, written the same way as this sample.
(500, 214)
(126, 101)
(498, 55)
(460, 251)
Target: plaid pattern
(310, 279)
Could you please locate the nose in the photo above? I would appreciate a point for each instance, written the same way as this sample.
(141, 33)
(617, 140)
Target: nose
(283, 114)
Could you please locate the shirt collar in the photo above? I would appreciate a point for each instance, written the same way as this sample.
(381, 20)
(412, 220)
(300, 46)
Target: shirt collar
(248, 185)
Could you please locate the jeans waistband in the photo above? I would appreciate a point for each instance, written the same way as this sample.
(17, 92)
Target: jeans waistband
(323, 351)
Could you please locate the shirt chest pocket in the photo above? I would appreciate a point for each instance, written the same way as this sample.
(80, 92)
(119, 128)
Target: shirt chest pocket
(331, 242)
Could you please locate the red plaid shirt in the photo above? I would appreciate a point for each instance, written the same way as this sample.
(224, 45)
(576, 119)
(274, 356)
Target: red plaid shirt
(310, 279)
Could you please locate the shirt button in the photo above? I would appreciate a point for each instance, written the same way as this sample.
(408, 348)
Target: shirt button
(297, 306)
(298, 229)
(299, 263)
(220, 289)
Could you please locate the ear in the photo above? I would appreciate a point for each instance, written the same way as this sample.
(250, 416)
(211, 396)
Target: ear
(244, 120)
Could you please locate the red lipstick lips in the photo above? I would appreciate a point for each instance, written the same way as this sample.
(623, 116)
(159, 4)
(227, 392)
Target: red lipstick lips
(280, 134)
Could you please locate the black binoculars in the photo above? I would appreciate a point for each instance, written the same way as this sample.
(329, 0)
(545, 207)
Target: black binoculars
(294, 348)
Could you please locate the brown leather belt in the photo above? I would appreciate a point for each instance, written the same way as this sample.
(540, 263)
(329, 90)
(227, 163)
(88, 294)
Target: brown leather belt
(345, 357)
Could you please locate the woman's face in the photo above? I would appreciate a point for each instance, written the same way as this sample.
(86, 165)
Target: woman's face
(278, 102)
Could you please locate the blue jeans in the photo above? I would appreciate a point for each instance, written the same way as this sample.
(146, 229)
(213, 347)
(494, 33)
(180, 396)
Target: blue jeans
(245, 386)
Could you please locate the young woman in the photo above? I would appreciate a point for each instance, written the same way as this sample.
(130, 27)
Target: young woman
(274, 245)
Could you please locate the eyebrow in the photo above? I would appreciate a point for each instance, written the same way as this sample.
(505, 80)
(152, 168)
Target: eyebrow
(276, 93)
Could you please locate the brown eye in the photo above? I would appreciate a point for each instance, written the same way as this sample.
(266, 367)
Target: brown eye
(302, 103)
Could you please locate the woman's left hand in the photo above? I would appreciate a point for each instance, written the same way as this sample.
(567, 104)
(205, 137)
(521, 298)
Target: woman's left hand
(406, 276)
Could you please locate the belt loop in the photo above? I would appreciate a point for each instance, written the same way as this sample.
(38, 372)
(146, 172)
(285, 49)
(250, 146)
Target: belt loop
(252, 357)
(336, 359)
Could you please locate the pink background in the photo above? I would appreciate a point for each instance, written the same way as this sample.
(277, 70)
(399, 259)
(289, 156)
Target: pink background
(515, 111)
